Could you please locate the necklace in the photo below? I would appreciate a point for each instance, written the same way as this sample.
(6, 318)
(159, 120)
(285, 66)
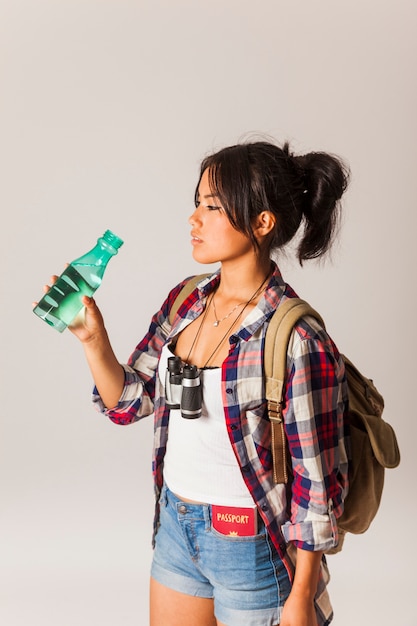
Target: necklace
(246, 304)
(217, 322)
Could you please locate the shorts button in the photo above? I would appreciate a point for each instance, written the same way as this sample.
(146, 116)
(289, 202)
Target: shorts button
(182, 509)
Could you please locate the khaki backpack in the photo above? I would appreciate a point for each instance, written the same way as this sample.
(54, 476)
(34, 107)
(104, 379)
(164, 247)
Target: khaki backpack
(374, 445)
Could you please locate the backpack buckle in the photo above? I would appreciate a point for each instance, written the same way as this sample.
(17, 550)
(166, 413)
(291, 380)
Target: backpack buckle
(275, 411)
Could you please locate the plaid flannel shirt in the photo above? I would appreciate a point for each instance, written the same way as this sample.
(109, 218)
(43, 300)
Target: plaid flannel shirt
(303, 514)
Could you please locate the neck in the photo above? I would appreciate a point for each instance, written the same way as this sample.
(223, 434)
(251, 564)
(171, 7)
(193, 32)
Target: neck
(240, 280)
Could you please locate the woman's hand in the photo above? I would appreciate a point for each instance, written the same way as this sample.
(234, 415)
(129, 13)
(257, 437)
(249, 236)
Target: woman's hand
(89, 323)
(88, 327)
(298, 611)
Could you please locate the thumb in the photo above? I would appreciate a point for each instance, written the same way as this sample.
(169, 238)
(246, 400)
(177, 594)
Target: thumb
(88, 301)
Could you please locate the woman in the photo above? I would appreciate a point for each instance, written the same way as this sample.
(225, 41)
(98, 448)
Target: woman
(227, 538)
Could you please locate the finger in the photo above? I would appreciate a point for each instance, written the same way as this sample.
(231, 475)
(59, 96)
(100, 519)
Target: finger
(88, 301)
(53, 280)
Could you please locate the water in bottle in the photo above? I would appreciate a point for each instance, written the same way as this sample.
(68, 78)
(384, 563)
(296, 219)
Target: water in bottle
(81, 278)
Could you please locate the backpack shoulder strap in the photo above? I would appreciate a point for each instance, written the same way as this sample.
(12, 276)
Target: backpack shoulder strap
(275, 363)
(188, 288)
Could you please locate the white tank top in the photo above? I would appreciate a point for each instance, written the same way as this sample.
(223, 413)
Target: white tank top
(199, 462)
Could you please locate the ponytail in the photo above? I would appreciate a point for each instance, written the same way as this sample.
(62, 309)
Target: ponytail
(326, 179)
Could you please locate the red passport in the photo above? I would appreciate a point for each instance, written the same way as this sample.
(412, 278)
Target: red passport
(234, 521)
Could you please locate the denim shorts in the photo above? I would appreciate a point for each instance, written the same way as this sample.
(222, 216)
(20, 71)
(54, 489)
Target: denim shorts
(244, 575)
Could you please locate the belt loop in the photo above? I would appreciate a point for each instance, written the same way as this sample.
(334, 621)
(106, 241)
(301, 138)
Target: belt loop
(163, 499)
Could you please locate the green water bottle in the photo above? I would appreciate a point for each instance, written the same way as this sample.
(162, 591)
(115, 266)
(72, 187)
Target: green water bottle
(81, 278)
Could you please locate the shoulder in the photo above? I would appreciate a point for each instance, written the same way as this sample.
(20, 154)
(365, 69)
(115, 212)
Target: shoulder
(190, 289)
(310, 340)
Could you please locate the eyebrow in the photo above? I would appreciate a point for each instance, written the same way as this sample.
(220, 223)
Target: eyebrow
(208, 196)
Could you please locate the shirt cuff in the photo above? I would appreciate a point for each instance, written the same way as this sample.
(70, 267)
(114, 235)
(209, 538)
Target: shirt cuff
(130, 402)
(313, 534)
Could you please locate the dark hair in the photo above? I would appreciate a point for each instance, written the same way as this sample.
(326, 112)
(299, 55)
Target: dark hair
(249, 178)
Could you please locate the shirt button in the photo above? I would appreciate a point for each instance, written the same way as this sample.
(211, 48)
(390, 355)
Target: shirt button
(233, 427)
(229, 390)
(182, 509)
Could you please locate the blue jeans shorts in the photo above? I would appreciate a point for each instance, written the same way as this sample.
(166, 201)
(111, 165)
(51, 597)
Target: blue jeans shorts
(244, 575)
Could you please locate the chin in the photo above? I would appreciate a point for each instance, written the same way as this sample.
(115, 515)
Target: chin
(203, 259)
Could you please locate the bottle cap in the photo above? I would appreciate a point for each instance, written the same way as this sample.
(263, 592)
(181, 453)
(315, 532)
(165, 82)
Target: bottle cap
(113, 239)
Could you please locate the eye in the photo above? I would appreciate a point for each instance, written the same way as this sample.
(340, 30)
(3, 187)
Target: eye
(209, 207)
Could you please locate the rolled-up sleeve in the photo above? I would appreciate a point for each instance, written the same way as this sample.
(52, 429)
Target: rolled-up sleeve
(137, 398)
(316, 403)
(133, 404)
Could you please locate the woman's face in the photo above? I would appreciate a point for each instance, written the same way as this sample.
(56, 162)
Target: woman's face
(213, 237)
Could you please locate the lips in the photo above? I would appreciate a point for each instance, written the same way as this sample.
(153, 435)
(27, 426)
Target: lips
(195, 239)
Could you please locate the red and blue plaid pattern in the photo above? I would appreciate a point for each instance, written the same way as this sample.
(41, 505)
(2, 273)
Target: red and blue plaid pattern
(316, 402)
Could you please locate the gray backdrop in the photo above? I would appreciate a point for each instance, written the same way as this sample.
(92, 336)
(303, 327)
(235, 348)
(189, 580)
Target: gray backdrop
(107, 107)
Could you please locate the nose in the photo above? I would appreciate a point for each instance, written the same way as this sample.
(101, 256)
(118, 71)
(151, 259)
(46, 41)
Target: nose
(193, 219)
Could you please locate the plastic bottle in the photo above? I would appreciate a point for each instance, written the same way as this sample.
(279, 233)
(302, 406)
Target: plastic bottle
(81, 278)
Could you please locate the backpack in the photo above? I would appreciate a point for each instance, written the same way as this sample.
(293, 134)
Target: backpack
(373, 443)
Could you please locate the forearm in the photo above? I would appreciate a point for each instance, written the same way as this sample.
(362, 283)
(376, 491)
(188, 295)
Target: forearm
(306, 573)
(107, 372)
(299, 609)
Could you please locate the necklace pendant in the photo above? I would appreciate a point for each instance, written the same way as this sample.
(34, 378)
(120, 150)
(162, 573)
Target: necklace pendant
(216, 323)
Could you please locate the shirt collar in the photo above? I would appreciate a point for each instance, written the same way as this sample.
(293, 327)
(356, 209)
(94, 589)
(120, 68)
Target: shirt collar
(265, 308)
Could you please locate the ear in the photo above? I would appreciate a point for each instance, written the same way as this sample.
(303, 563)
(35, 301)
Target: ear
(264, 224)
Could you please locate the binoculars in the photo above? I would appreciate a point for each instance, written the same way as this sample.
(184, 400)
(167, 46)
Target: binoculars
(183, 388)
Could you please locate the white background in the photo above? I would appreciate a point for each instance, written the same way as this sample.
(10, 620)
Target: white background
(106, 109)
